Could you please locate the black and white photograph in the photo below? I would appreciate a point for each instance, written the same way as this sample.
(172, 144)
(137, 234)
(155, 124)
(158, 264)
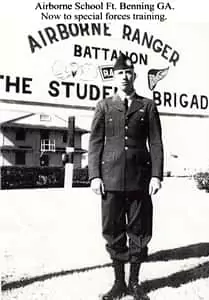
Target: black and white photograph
(104, 152)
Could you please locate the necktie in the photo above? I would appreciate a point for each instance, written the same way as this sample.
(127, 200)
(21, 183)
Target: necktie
(126, 104)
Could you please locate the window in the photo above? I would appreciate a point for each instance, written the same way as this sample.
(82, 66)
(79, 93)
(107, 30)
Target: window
(20, 134)
(44, 133)
(20, 158)
(64, 139)
(45, 118)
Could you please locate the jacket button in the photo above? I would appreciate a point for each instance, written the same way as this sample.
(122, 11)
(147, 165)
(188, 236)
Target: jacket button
(103, 162)
(126, 127)
(126, 137)
(126, 148)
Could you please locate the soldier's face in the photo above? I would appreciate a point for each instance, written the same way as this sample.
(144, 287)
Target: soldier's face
(124, 79)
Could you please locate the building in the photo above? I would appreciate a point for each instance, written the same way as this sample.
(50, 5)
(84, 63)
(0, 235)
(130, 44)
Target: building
(36, 139)
(23, 136)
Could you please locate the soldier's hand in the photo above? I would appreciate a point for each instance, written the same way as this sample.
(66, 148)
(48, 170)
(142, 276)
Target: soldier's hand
(154, 186)
(97, 186)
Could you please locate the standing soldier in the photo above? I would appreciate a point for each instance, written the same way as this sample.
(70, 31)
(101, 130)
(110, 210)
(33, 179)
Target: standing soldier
(126, 169)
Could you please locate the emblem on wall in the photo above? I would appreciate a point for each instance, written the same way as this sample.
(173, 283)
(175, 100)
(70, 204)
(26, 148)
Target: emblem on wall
(65, 70)
(155, 75)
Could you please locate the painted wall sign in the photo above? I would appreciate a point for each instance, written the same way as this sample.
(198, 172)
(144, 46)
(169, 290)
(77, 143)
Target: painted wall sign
(65, 56)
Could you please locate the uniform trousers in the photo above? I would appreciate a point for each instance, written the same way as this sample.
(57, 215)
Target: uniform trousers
(127, 225)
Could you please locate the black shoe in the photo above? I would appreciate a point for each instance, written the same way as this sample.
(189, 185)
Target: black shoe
(118, 291)
(135, 290)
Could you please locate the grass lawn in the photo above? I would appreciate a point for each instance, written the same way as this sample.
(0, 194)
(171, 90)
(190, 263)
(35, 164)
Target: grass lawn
(48, 234)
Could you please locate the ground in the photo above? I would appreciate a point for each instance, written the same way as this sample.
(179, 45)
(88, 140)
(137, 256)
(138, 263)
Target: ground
(53, 250)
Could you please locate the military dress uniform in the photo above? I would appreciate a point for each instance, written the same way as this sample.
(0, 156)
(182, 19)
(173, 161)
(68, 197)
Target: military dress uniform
(125, 152)
(119, 154)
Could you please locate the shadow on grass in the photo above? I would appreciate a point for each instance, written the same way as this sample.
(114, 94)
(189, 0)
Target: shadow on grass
(27, 281)
(177, 279)
(196, 250)
(174, 280)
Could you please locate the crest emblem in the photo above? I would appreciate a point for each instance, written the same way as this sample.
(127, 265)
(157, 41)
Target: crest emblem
(155, 75)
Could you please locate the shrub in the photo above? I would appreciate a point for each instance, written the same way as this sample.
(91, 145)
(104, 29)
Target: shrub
(13, 177)
(202, 180)
(80, 177)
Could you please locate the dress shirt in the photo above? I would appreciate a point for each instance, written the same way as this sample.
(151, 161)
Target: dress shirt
(123, 96)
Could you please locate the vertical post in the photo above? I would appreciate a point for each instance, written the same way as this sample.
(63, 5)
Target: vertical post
(1, 182)
(70, 153)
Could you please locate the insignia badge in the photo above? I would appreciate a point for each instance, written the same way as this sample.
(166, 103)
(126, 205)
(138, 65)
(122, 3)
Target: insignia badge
(155, 75)
(128, 63)
(106, 72)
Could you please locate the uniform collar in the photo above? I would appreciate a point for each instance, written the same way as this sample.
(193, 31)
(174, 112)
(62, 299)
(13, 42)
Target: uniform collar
(136, 103)
(124, 95)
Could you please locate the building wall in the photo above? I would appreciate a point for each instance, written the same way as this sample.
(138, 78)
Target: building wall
(32, 139)
(78, 140)
(8, 158)
(77, 160)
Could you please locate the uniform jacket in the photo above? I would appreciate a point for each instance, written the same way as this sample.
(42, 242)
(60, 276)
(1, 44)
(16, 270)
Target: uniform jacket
(125, 148)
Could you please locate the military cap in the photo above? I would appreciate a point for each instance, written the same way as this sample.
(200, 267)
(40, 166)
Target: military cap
(123, 62)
